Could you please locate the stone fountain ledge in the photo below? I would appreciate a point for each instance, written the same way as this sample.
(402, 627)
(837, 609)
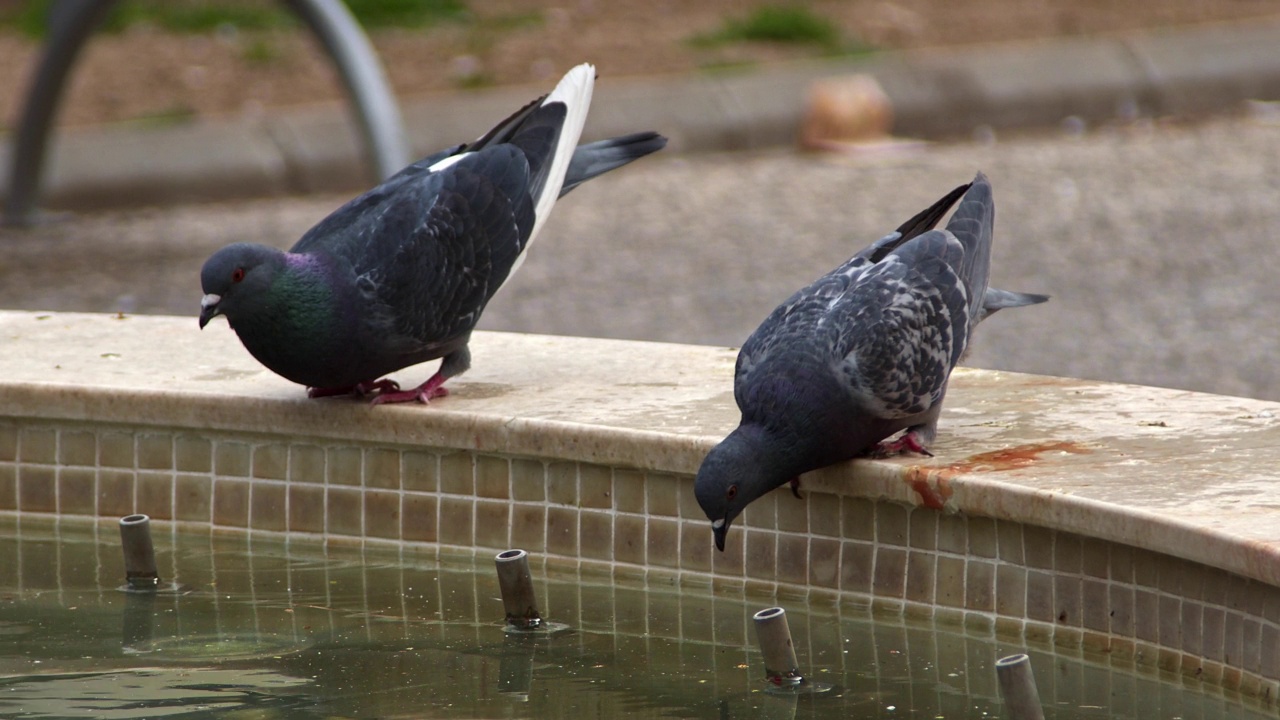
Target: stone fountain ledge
(1181, 473)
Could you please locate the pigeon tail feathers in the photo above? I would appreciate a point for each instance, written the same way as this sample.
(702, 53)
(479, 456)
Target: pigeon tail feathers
(997, 299)
(972, 225)
(598, 158)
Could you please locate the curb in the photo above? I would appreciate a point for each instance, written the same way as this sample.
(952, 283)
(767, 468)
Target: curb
(1206, 69)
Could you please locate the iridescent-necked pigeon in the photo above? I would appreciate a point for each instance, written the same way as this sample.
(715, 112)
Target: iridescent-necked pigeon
(401, 274)
(860, 354)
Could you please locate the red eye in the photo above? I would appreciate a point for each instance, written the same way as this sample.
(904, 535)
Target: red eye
(237, 275)
(732, 492)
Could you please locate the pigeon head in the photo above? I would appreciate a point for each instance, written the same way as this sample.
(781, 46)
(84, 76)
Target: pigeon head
(235, 278)
(734, 474)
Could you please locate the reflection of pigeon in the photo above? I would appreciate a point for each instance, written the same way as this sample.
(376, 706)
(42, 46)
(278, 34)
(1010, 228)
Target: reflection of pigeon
(857, 356)
(400, 275)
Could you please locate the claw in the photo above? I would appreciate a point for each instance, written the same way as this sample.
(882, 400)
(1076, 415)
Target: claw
(384, 385)
(424, 393)
(907, 443)
(795, 487)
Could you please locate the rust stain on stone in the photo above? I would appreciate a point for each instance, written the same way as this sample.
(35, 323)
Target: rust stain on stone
(931, 496)
(933, 484)
(1015, 457)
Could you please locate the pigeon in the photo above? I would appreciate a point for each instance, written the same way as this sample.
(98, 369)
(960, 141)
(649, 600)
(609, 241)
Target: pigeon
(859, 355)
(401, 274)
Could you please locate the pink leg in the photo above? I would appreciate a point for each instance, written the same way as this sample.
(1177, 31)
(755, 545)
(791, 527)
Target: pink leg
(795, 487)
(424, 393)
(909, 442)
(364, 388)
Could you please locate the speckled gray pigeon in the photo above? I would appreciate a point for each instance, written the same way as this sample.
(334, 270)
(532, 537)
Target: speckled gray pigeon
(860, 354)
(401, 274)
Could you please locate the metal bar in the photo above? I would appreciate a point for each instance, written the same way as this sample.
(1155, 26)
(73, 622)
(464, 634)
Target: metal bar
(516, 585)
(357, 63)
(139, 553)
(73, 21)
(70, 24)
(1018, 688)
(774, 635)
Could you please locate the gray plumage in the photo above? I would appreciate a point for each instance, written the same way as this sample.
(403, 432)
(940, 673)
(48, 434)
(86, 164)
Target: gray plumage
(401, 274)
(862, 353)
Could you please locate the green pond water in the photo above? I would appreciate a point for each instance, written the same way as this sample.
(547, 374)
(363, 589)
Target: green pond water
(260, 628)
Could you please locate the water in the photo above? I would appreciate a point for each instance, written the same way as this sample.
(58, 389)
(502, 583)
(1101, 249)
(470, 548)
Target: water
(264, 629)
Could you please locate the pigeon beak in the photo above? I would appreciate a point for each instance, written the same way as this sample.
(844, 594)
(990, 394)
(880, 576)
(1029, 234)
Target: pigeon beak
(720, 528)
(208, 308)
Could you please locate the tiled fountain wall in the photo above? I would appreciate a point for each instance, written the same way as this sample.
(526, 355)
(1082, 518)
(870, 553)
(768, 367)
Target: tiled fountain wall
(1139, 608)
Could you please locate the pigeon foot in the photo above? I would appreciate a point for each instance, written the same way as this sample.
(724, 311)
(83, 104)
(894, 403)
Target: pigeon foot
(909, 442)
(424, 393)
(365, 388)
(795, 487)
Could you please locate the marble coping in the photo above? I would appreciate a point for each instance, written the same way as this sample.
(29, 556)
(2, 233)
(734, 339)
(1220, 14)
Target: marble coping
(1182, 473)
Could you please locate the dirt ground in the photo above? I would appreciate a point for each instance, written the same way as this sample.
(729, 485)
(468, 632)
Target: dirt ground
(144, 74)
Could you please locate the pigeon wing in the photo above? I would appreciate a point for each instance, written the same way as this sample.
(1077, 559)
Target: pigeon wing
(921, 222)
(900, 327)
(790, 327)
(343, 229)
(458, 244)
(427, 253)
(837, 302)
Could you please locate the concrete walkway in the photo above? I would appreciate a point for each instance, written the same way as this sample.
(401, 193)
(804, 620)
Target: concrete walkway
(1207, 69)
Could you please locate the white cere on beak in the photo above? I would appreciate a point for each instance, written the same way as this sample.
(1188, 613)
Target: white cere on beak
(210, 299)
(717, 524)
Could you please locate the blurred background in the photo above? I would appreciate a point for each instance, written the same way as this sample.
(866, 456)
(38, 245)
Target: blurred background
(1134, 149)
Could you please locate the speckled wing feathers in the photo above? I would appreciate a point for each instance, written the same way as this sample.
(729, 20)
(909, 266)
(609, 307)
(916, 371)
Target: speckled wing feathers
(900, 328)
(889, 324)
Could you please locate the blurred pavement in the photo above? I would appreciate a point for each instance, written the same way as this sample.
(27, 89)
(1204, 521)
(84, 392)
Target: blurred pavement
(1194, 71)
(1158, 243)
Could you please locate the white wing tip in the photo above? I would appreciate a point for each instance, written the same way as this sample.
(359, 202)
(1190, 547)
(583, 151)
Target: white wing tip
(575, 87)
(574, 90)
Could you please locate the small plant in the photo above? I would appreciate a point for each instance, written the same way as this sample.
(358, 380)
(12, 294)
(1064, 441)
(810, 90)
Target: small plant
(483, 33)
(406, 13)
(475, 81)
(776, 23)
(177, 114)
(261, 51)
(513, 21)
(201, 16)
(184, 16)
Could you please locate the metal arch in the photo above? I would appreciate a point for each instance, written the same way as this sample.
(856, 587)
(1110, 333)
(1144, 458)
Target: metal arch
(376, 110)
(70, 24)
(73, 21)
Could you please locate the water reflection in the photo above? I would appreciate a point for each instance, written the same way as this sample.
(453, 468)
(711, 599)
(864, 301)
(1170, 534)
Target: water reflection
(299, 630)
